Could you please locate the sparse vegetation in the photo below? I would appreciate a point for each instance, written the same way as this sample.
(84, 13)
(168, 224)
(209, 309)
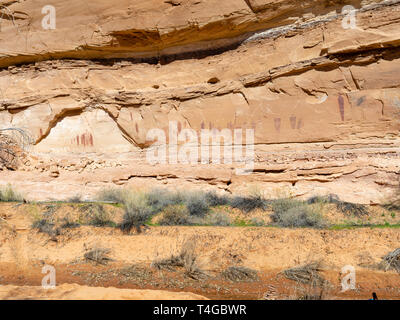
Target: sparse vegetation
(306, 274)
(175, 215)
(217, 219)
(98, 255)
(186, 259)
(112, 195)
(391, 261)
(214, 200)
(294, 213)
(343, 206)
(239, 273)
(75, 199)
(8, 194)
(98, 216)
(210, 208)
(45, 226)
(137, 212)
(249, 203)
(197, 204)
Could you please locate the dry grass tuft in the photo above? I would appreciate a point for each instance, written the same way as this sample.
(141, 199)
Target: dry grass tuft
(306, 274)
(391, 261)
(239, 273)
(98, 255)
(186, 259)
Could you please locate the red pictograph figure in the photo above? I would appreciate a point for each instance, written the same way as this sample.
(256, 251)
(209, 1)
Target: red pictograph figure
(300, 124)
(277, 122)
(341, 106)
(85, 139)
(293, 122)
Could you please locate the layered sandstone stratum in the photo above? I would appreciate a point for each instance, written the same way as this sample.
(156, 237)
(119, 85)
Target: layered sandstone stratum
(323, 99)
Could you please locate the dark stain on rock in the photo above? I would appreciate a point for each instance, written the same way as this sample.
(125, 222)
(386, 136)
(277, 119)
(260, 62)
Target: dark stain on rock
(136, 127)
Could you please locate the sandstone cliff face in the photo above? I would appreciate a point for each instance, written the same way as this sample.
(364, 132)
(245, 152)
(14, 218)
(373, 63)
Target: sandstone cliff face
(324, 101)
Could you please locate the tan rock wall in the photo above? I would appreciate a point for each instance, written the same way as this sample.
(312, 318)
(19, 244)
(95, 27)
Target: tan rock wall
(324, 101)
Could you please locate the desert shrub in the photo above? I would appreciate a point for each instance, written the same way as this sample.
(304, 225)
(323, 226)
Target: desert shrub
(175, 215)
(112, 195)
(45, 226)
(308, 273)
(293, 213)
(214, 200)
(196, 204)
(352, 208)
(258, 222)
(331, 198)
(98, 255)
(69, 224)
(217, 219)
(75, 199)
(9, 194)
(284, 204)
(137, 212)
(343, 206)
(239, 273)
(186, 259)
(310, 284)
(391, 261)
(249, 203)
(98, 216)
(159, 199)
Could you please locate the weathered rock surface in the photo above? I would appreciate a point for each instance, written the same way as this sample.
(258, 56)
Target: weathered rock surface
(324, 101)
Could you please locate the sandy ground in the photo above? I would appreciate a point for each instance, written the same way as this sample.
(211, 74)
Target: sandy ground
(77, 292)
(267, 250)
